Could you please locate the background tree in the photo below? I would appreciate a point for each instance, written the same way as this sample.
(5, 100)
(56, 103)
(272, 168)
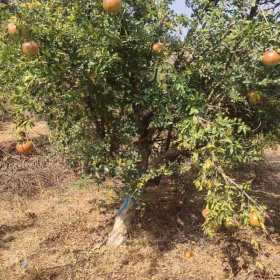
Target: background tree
(117, 103)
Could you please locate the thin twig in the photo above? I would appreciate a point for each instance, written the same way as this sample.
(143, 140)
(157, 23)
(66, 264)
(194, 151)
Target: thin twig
(231, 181)
(265, 18)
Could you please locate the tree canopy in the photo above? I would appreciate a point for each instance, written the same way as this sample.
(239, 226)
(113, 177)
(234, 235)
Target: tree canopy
(119, 104)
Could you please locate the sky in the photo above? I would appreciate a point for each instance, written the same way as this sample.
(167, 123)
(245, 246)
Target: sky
(180, 7)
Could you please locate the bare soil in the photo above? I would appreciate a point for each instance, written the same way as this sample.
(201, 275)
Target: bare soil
(54, 224)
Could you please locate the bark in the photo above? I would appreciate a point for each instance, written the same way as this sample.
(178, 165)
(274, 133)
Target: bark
(254, 10)
(143, 119)
(145, 138)
(91, 102)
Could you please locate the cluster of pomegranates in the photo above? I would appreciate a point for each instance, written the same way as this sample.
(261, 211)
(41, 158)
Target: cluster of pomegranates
(254, 219)
(29, 48)
(269, 58)
(114, 7)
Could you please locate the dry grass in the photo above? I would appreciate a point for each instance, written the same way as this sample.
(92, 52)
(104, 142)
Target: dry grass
(53, 226)
(29, 175)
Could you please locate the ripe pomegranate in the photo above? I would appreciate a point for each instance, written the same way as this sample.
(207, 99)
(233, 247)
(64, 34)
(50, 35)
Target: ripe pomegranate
(189, 254)
(112, 6)
(158, 47)
(205, 212)
(30, 48)
(254, 220)
(11, 28)
(254, 97)
(24, 148)
(271, 57)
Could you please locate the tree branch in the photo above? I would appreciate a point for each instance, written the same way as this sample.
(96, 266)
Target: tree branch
(229, 180)
(254, 10)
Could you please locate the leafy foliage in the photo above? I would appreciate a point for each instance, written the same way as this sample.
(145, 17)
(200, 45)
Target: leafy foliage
(116, 106)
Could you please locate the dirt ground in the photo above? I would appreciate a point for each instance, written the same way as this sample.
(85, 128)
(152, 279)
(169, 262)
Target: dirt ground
(53, 225)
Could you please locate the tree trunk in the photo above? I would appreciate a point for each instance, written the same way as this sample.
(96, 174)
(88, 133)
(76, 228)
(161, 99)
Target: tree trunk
(122, 223)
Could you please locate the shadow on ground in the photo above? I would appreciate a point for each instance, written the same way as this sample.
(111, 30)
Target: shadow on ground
(54, 226)
(170, 219)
